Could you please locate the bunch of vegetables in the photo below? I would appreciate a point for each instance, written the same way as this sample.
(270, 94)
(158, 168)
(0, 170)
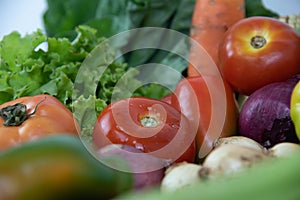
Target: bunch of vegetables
(233, 117)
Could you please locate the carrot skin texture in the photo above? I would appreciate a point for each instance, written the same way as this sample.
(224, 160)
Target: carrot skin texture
(210, 21)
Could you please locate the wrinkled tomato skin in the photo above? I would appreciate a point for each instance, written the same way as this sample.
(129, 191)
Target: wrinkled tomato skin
(247, 68)
(51, 117)
(119, 123)
(193, 98)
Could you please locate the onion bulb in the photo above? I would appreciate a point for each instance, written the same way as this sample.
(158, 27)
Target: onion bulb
(284, 149)
(265, 115)
(229, 159)
(240, 140)
(179, 176)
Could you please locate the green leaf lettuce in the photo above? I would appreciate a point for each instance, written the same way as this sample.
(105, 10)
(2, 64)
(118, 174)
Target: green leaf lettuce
(36, 64)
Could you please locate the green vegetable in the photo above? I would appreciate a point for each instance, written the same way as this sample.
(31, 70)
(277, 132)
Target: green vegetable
(257, 8)
(59, 167)
(29, 68)
(113, 17)
(26, 69)
(275, 179)
(295, 108)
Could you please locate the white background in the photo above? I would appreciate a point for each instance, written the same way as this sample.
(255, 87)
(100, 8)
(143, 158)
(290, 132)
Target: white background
(25, 16)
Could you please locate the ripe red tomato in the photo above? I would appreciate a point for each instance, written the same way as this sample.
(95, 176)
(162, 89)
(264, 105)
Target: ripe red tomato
(151, 125)
(167, 98)
(257, 51)
(209, 104)
(32, 117)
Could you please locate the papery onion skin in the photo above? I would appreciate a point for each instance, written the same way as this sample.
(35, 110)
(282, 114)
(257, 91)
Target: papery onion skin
(265, 115)
(230, 159)
(284, 149)
(239, 140)
(180, 175)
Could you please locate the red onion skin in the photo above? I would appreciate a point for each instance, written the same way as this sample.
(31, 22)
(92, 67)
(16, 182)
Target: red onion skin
(265, 115)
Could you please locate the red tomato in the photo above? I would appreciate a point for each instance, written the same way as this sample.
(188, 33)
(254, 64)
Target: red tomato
(257, 51)
(209, 104)
(167, 98)
(150, 125)
(29, 118)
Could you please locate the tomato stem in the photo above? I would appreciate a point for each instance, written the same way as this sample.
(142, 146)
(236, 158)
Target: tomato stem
(258, 42)
(16, 114)
(149, 121)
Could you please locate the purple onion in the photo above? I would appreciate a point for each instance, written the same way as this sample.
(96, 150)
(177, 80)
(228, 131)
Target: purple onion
(265, 115)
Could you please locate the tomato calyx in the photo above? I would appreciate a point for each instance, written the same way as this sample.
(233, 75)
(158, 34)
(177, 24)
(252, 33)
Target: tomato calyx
(149, 121)
(258, 42)
(16, 114)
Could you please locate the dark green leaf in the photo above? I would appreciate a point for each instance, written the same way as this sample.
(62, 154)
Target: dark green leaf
(62, 16)
(257, 8)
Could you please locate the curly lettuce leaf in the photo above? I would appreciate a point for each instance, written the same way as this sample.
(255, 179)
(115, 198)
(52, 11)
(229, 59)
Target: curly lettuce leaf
(20, 65)
(26, 69)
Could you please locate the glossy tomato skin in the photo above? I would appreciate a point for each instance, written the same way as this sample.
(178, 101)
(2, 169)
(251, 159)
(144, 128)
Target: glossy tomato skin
(169, 137)
(167, 98)
(257, 51)
(50, 117)
(193, 97)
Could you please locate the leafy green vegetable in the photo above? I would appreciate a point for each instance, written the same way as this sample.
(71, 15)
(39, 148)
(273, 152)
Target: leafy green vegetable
(27, 69)
(62, 17)
(257, 8)
(113, 17)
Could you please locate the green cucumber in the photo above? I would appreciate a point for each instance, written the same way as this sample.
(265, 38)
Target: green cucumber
(58, 167)
(274, 179)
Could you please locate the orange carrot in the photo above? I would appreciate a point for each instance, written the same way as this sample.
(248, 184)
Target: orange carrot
(211, 19)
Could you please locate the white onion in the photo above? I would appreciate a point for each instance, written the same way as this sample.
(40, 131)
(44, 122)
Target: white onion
(284, 149)
(180, 175)
(240, 140)
(229, 159)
